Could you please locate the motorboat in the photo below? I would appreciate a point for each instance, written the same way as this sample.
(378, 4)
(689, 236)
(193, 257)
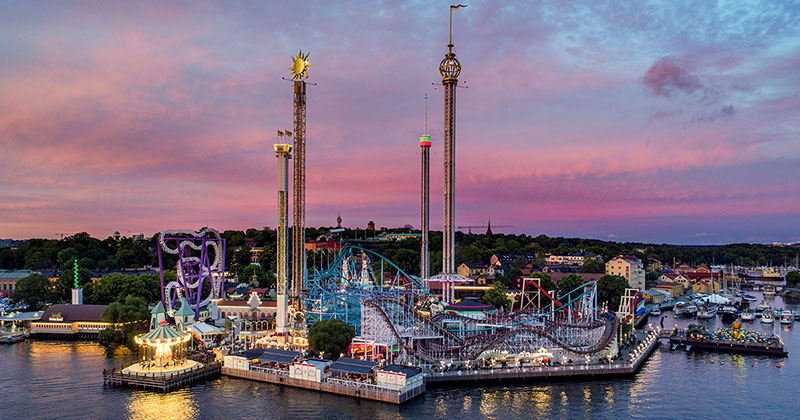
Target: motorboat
(767, 317)
(679, 308)
(768, 291)
(707, 311)
(748, 297)
(786, 317)
(656, 311)
(691, 309)
(728, 313)
(748, 316)
(763, 306)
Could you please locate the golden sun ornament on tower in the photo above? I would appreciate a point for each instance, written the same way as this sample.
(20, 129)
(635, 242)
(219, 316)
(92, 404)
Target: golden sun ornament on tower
(300, 66)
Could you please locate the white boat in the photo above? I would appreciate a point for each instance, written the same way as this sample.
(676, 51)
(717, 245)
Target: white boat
(767, 317)
(679, 308)
(707, 311)
(656, 311)
(763, 306)
(691, 309)
(786, 317)
(748, 315)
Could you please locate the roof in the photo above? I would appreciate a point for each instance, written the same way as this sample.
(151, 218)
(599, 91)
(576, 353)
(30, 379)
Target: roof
(347, 365)
(159, 309)
(407, 370)
(244, 303)
(318, 363)
(203, 329)
(276, 358)
(22, 316)
(15, 274)
(475, 265)
(249, 354)
(162, 333)
(74, 313)
(468, 305)
(185, 309)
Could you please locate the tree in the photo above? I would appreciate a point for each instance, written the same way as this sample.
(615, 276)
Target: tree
(66, 281)
(66, 258)
(793, 279)
(34, 290)
(330, 337)
(593, 266)
(652, 276)
(264, 278)
(569, 284)
(610, 289)
(497, 296)
(128, 318)
(545, 282)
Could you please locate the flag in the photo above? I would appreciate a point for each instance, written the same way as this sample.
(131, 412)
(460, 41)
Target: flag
(280, 133)
(288, 133)
(457, 6)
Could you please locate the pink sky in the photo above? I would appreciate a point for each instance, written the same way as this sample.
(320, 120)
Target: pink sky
(669, 123)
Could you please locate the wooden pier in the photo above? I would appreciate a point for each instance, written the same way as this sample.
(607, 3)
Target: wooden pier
(349, 388)
(163, 383)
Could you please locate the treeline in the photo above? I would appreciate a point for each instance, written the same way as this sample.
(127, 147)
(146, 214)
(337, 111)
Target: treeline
(109, 254)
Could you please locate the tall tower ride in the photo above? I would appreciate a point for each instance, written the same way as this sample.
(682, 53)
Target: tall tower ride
(425, 145)
(283, 152)
(449, 69)
(299, 71)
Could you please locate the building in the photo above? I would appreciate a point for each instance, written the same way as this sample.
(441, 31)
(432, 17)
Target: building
(470, 309)
(656, 295)
(398, 376)
(707, 286)
(472, 269)
(70, 321)
(9, 279)
(572, 258)
(673, 288)
(630, 268)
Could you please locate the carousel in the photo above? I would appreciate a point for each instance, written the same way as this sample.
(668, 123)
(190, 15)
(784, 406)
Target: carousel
(164, 352)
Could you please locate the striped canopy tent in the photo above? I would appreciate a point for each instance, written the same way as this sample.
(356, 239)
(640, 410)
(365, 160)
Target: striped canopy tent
(161, 340)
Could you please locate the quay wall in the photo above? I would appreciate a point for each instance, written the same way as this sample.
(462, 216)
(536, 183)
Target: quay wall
(347, 388)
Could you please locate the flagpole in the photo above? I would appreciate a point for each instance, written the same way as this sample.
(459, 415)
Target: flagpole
(451, 26)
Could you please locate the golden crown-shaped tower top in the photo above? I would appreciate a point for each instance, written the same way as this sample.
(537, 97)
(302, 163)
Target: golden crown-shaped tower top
(450, 67)
(300, 66)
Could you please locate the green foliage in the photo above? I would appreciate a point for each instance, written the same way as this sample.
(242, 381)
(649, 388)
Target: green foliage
(652, 276)
(130, 317)
(610, 289)
(116, 287)
(497, 296)
(62, 288)
(66, 258)
(35, 290)
(263, 278)
(592, 265)
(567, 285)
(793, 279)
(330, 336)
(546, 281)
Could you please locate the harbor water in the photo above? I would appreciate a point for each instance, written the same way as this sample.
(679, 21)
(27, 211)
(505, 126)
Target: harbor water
(63, 380)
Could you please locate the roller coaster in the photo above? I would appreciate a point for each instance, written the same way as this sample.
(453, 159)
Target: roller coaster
(395, 311)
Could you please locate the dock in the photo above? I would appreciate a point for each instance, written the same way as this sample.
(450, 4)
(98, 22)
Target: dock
(337, 386)
(163, 383)
(726, 346)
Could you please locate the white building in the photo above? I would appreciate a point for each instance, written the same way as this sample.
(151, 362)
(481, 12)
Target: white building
(628, 267)
(310, 370)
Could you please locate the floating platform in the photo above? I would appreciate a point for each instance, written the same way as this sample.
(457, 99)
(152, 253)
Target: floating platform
(728, 346)
(348, 388)
(163, 381)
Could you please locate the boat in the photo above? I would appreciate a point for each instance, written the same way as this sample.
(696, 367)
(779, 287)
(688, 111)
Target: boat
(656, 311)
(769, 291)
(691, 309)
(763, 306)
(707, 311)
(748, 297)
(786, 317)
(13, 337)
(728, 313)
(767, 317)
(748, 315)
(679, 308)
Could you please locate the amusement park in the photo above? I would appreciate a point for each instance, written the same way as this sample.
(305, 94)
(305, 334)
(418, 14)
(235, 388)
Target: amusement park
(407, 329)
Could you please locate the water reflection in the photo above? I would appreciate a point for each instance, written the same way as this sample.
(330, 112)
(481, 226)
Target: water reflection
(144, 405)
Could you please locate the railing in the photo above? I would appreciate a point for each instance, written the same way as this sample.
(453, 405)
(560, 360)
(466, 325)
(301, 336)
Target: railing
(270, 371)
(361, 385)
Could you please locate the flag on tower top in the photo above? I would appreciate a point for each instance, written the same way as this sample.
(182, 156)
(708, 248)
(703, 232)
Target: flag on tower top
(457, 6)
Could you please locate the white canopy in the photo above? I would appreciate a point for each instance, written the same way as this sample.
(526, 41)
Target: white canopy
(715, 298)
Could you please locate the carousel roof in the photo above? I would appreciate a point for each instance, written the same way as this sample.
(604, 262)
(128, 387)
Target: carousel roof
(163, 333)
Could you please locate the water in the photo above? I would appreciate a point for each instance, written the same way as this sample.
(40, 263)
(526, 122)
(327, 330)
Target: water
(63, 380)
